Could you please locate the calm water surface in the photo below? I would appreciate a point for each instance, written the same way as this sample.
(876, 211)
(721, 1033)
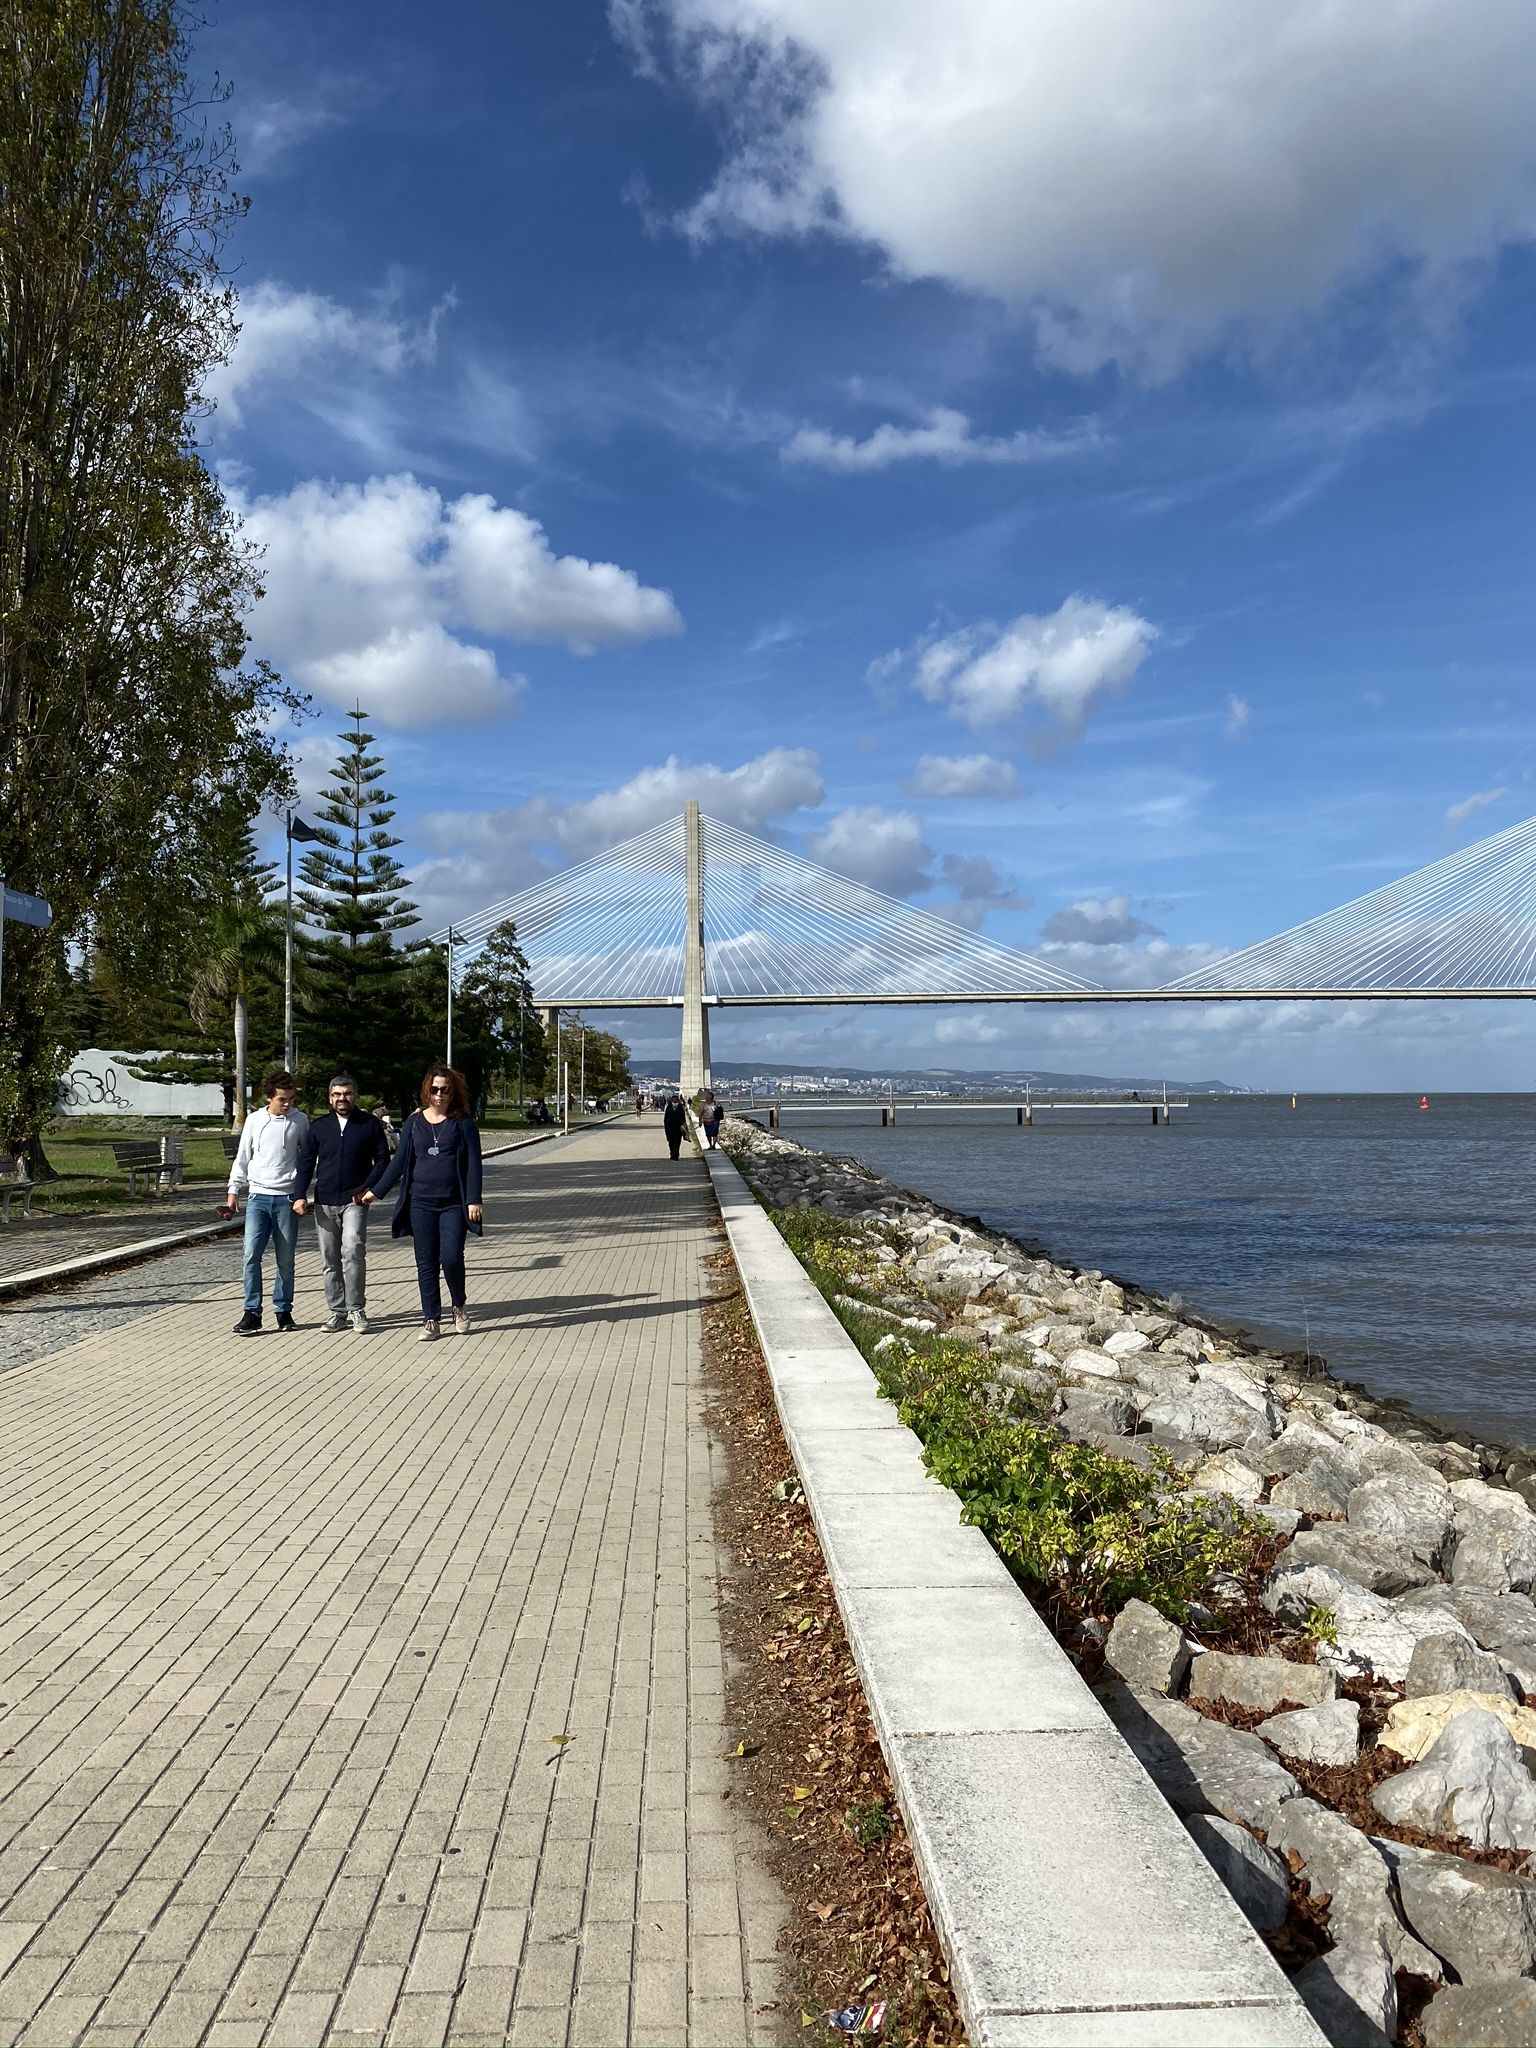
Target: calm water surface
(1400, 1243)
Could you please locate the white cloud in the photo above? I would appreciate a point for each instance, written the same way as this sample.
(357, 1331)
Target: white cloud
(1059, 664)
(287, 334)
(1238, 713)
(1097, 921)
(365, 584)
(270, 129)
(483, 856)
(412, 674)
(510, 582)
(1125, 965)
(886, 849)
(1458, 814)
(1145, 180)
(945, 437)
(963, 775)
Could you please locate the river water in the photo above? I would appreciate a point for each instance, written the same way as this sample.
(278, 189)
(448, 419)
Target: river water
(1398, 1244)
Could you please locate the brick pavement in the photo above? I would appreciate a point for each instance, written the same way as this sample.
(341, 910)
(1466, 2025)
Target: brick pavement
(288, 1626)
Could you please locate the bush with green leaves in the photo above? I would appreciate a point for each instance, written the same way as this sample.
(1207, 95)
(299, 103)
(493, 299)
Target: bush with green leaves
(1065, 1518)
(1068, 1520)
(833, 1251)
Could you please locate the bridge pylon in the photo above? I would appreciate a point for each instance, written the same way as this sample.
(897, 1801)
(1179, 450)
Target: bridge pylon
(693, 1060)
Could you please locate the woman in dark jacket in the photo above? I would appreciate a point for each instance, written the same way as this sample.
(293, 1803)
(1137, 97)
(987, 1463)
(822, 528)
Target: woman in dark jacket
(437, 1164)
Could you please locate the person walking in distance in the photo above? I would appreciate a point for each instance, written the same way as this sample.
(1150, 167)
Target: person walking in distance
(674, 1121)
(710, 1115)
(437, 1164)
(341, 1154)
(265, 1170)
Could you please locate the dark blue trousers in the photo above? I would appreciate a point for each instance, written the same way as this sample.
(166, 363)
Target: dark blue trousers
(438, 1232)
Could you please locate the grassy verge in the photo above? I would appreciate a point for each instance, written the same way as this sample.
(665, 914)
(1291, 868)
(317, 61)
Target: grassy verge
(1083, 1532)
(90, 1181)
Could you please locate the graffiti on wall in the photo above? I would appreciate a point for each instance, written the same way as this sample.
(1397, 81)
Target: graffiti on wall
(82, 1088)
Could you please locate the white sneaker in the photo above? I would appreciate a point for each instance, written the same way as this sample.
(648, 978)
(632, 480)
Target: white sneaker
(461, 1322)
(359, 1322)
(336, 1321)
(429, 1332)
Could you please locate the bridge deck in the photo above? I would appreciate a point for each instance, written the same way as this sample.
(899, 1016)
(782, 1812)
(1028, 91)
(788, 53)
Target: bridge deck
(287, 1628)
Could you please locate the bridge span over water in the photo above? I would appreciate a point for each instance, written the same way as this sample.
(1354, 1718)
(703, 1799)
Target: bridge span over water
(696, 914)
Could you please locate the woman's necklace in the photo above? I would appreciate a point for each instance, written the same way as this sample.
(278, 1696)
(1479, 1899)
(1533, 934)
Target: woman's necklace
(432, 1148)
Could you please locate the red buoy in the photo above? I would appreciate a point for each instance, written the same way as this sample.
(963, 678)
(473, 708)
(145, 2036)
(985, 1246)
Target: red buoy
(1423, 1102)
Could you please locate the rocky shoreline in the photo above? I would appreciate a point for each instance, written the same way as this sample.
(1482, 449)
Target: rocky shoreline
(1364, 1785)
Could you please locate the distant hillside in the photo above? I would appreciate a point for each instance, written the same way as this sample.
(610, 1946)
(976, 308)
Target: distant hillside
(1008, 1079)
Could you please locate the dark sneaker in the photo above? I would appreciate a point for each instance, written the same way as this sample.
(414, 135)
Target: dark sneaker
(249, 1324)
(286, 1322)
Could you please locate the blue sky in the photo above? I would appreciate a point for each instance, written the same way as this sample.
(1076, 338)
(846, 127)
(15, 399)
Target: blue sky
(1062, 462)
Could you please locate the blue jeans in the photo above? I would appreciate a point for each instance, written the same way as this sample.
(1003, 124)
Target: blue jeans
(270, 1216)
(438, 1233)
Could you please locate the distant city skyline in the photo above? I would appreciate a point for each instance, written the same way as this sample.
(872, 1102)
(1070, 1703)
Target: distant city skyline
(1059, 466)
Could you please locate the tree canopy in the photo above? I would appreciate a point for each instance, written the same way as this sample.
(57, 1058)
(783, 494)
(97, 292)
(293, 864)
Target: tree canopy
(130, 717)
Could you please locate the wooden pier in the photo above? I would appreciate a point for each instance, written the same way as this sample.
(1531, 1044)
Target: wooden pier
(1160, 1108)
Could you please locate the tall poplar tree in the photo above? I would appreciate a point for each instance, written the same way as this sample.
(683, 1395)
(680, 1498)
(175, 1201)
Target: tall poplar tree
(128, 711)
(354, 987)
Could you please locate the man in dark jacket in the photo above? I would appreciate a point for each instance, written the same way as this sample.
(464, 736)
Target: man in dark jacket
(674, 1121)
(341, 1154)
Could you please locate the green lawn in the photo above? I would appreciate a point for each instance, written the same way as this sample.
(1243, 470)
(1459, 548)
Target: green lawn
(80, 1150)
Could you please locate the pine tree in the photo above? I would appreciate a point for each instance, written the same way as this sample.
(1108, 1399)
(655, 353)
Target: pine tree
(353, 991)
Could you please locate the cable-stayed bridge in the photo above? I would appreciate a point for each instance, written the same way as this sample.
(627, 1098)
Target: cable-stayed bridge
(696, 914)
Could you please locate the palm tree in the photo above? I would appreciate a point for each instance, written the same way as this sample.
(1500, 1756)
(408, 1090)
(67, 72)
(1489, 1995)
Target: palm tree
(245, 940)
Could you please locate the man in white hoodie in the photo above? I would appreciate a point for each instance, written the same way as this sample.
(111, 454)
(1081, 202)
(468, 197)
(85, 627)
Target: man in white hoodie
(267, 1164)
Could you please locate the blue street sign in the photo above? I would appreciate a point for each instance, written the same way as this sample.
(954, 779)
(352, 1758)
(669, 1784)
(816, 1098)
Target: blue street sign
(22, 909)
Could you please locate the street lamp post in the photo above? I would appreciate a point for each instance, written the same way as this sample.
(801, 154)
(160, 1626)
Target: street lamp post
(296, 829)
(452, 936)
(287, 960)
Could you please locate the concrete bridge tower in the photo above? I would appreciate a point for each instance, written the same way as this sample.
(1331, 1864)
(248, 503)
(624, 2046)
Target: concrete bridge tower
(694, 1059)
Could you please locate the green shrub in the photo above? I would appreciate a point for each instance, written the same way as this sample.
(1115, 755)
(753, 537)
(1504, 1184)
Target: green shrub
(831, 1249)
(1320, 1626)
(1064, 1517)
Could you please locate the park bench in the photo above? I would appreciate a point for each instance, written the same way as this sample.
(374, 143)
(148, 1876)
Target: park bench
(14, 1182)
(147, 1157)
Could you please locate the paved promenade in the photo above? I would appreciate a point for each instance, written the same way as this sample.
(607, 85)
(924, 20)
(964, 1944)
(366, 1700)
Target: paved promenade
(289, 1628)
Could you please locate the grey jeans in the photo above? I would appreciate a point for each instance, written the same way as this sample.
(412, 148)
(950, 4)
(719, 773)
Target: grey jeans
(342, 1228)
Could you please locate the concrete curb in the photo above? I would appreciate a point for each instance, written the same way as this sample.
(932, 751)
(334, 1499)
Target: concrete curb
(117, 1255)
(1075, 1910)
(151, 1247)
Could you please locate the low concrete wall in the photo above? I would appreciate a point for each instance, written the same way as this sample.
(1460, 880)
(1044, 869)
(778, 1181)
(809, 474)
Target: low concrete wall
(1074, 1909)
